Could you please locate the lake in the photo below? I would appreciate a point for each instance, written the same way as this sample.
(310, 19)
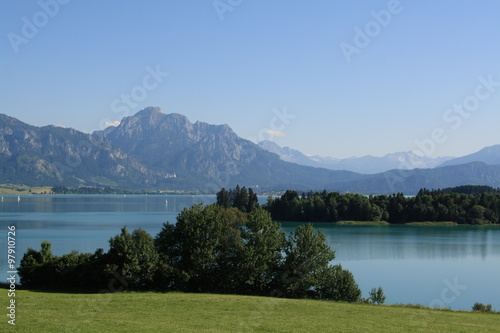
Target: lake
(452, 266)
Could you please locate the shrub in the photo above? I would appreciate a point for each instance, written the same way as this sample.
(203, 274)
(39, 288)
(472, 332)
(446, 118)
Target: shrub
(377, 296)
(480, 307)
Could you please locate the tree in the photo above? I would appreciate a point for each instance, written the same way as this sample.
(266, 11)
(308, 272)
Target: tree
(377, 296)
(375, 213)
(261, 255)
(76, 271)
(203, 247)
(359, 208)
(253, 202)
(134, 256)
(34, 269)
(306, 255)
(331, 208)
(241, 198)
(46, 252)
(223, 198)
(169, 245)
(29, 269)
(337, 284)
(477, 214)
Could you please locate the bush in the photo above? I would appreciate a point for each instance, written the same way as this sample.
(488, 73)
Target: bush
(338, 284)
(480, 307)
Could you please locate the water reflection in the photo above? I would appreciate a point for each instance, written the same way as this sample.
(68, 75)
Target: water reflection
(101, 203)
(398, 242)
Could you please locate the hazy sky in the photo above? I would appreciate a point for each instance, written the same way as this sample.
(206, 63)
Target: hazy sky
(333, 78)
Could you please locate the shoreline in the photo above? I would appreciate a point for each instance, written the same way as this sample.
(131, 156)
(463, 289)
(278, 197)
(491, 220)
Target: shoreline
(384, 223)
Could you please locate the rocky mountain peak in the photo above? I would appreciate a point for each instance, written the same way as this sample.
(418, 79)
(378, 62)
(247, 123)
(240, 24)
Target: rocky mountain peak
(150, 110)
(148, 120)
(155, 117)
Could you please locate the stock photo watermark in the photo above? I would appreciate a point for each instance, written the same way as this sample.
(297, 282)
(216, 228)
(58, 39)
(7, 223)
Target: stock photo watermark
(453, 117)
(124, 105)
(372, 29)
(223, 6)
(449, 294)
(11, 273)
(32, 25)
(277, 124)
(137, 94)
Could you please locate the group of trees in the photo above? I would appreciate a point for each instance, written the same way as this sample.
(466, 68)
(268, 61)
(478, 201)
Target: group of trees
(73, 271)
(241, 198)
(210, 249)
(88, 190)
(471, 189)
(435, 206)
(324, 207)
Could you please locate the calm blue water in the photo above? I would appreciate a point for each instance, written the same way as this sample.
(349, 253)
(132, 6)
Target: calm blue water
(437, 266)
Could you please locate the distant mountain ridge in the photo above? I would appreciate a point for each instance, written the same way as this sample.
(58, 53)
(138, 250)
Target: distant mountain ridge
(154, 150)
(288, 154)
(411, 181)
(489, 155)
(364, 164)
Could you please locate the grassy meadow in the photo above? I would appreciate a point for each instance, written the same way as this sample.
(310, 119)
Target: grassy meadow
(24, 190)
(176, 312)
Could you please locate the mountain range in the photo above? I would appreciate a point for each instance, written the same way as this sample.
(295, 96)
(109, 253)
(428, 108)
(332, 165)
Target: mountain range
(154, 150)
(364, 164)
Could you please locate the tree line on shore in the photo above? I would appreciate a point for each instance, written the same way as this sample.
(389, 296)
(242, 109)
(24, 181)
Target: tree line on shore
(463, 205)
(211, 249)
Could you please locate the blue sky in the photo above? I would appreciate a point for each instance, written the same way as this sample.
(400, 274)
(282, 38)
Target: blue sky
(333, 78)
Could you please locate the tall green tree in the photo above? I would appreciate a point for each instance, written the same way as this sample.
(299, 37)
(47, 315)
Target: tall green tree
(261, 255)
(35, 268)
(134, 257)
(201, 246)
(224, 198)
(253, 201)
(306, 255)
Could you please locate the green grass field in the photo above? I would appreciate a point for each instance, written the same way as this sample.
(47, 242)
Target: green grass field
(23, 190)
(175, 312)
